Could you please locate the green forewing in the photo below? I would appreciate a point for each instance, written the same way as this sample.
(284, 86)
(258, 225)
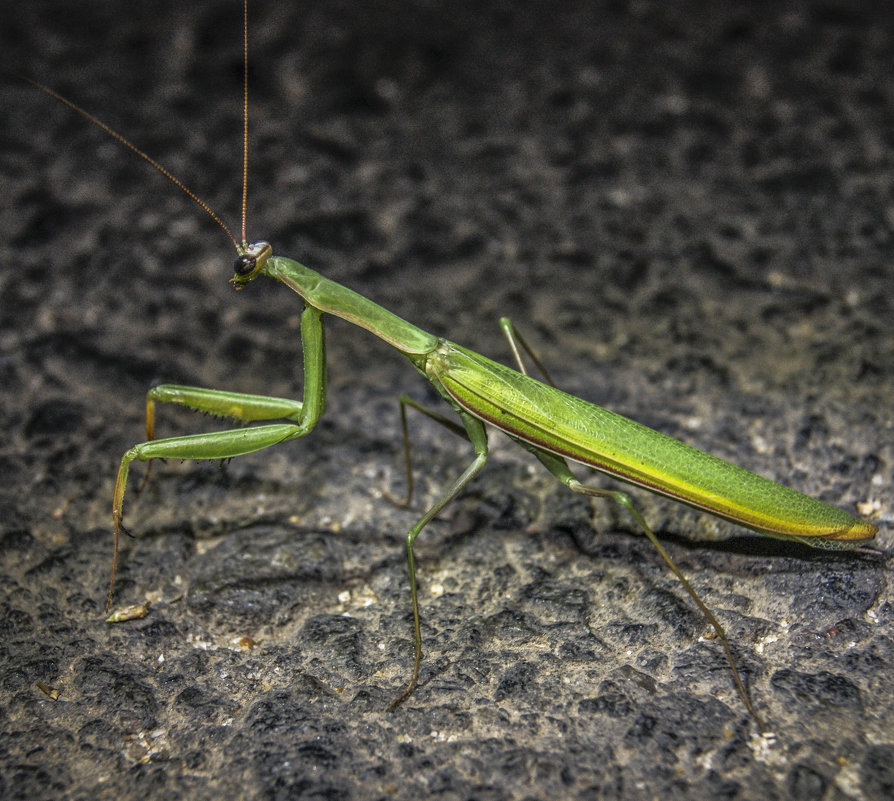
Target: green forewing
(568, 426)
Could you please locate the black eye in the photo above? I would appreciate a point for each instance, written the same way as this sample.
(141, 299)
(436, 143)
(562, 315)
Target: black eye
(245, 265)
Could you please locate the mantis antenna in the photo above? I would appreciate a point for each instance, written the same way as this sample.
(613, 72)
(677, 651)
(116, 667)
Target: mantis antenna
(240, 248)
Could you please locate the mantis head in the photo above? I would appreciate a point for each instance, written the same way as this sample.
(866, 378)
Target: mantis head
(250, 262)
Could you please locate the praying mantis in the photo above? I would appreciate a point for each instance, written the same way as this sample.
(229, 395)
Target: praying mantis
(552, 425)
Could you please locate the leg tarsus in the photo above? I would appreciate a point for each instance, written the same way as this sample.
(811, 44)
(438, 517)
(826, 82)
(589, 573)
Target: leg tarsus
(414, 680)
(417, 661)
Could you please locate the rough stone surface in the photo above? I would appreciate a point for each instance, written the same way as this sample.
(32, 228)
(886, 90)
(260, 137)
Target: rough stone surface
(688, 209)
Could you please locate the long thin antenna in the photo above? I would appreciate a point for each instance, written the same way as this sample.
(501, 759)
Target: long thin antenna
(244, 117)
(130, 145)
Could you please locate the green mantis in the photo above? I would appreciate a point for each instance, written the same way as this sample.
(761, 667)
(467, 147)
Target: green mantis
(554, 426)
(551, 424)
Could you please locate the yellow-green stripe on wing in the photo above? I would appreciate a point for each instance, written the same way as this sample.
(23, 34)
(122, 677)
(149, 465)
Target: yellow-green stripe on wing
(574, 428)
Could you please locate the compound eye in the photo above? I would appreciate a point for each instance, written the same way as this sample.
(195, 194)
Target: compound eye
(245, 265)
